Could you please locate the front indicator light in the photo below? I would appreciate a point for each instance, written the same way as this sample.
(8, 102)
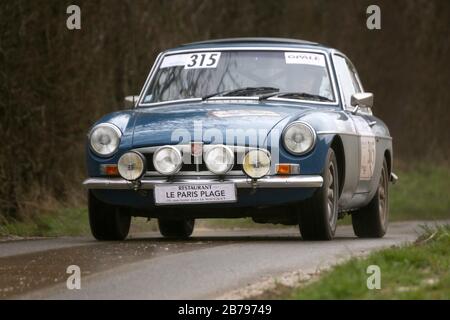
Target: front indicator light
(109, 170)
(287, 168)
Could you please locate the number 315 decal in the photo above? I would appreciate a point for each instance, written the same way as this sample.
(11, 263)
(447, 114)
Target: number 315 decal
(202, 60)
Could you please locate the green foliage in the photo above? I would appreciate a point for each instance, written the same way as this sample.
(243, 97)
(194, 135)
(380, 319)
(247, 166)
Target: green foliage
(422, 192)
(67, 222)
(64, 222)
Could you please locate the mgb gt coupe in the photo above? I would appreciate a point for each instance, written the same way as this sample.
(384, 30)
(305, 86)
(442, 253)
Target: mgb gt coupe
(278, 130)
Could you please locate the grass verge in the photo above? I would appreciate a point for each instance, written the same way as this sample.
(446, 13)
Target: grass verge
(417, 271)
(422, 193)
(65, 222)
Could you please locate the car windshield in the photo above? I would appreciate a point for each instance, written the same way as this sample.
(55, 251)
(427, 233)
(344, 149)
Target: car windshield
(242, 73)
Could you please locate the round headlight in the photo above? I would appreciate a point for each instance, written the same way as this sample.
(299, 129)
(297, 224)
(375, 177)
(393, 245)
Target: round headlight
(256, 163)
(219, 159)
(131, 165)
(104, 139)
(167, 160)
(299, 138)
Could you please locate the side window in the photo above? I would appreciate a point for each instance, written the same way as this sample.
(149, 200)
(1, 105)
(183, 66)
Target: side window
(354, 77)
(347, 79)
(357, 84)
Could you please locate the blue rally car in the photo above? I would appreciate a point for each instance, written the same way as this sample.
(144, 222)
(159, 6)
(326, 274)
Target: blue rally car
(278, 130)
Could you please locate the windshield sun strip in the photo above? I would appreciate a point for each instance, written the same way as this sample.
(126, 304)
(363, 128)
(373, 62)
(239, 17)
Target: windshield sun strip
(162, 55)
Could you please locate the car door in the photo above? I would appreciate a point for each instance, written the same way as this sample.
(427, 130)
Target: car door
(349, 84)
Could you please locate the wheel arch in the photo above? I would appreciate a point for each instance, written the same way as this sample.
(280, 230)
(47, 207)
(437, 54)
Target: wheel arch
(338, 148)
(388, 157)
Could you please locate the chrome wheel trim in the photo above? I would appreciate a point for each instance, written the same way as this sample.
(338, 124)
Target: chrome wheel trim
(331, 197)
(382, 197)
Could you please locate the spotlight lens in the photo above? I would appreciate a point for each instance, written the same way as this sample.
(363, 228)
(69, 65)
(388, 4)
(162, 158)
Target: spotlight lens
(256, 163)
(167, 160)
(131, 166)
(219, 159)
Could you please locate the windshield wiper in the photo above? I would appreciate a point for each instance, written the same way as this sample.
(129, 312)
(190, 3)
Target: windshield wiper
(296, 95)
(247, 91)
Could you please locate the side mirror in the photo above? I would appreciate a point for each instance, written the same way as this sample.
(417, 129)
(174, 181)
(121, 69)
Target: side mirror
(131, 101)
(362, 99)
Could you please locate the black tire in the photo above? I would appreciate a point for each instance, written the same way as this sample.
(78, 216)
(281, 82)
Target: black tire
(176, 228)
(372, 220)
(318, 215)
(107, 222)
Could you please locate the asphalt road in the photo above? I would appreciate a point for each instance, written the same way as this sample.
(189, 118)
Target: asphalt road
(209, 265)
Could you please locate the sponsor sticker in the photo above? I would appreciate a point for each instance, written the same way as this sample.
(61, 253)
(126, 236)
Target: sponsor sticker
(368, 148)
(368, 153)
(315, 59)
(174, 60)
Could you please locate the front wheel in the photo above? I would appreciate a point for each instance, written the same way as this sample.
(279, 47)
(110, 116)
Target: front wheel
(176, 228)
(107, 222)
(318, 215)
(372, 220)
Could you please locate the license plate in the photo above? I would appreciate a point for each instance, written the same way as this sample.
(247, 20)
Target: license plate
(194, 193)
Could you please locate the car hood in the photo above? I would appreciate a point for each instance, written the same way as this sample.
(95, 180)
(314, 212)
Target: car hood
(207, 122)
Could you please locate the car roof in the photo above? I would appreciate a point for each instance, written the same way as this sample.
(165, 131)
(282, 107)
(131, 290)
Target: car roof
(242, 42)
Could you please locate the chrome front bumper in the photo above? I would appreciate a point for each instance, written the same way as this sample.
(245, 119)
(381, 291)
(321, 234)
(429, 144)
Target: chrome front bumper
(240, 182)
